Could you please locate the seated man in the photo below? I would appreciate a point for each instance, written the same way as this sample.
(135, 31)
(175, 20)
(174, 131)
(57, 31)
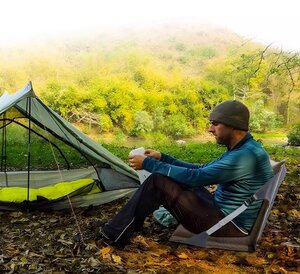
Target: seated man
(180, 186)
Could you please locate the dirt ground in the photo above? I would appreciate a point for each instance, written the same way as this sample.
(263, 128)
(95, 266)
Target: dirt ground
(42, 242)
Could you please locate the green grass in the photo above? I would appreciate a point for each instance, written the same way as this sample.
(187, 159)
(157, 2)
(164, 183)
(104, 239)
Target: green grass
(204, 152)
(45, 156)
(42, 156)
(269, 135)
(192, 152)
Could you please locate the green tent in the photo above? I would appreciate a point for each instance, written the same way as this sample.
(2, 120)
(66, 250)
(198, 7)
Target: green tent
(94, 176)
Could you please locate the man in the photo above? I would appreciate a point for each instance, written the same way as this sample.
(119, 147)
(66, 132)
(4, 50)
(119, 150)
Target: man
(180, 186)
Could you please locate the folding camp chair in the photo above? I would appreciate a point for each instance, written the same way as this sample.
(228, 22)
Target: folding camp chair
(246, 243)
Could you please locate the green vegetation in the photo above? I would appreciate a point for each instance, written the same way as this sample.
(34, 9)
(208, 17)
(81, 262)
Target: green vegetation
(147, 89)
(294, 135)
(191, 152)
(197, 152)
(45, 156)
(162, 82)
(49, 153)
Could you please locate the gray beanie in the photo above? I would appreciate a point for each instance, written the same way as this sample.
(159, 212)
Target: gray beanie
(231, 113)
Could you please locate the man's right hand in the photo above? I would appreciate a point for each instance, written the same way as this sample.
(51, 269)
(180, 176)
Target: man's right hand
(153, 153)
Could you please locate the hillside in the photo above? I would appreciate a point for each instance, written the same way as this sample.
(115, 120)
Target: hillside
(175, 73)
(169, 45)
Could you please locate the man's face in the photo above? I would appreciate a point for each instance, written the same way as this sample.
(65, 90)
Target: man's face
(222, 133)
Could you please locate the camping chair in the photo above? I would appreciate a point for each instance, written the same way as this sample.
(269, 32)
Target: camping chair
(246, 243)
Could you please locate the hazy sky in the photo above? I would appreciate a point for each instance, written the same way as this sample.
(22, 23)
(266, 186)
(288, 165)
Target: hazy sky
(267, 21)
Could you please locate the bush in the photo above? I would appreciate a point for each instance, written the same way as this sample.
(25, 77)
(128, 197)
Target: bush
(261, 119)
(157, 138)
(294, 135)
(142, 123)
(177, 126)
(105, 123)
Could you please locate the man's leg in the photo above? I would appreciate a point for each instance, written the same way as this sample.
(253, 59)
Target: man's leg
(194, 208)
(132, 215)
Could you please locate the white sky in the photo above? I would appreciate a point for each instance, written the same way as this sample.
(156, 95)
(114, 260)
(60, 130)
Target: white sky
(267, 21)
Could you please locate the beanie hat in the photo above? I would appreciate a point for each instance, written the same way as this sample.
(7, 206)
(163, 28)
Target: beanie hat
(231, 113)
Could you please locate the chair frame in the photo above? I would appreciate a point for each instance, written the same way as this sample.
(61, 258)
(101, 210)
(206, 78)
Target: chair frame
(248, 243)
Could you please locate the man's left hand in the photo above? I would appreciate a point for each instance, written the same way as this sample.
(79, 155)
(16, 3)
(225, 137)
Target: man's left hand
(136, 161)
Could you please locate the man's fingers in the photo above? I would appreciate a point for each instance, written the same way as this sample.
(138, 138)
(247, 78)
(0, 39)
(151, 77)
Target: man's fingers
(136, 161)
(133, 161)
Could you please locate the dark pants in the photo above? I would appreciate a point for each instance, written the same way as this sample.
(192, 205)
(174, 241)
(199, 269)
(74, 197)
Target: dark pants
(194, 208)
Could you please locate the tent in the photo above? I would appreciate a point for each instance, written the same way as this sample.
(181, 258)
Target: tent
(93, 176)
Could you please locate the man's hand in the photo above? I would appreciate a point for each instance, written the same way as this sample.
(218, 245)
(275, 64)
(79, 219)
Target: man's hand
(153, 153)
(136, 161)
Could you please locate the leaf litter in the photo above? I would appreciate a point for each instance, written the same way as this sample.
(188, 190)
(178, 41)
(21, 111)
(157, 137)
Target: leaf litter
(42, 242)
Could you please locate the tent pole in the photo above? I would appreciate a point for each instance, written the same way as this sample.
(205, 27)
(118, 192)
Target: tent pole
(4, 154)
(28, 106)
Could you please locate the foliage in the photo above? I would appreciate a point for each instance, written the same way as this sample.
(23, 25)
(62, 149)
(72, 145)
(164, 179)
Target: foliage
(44, 153)
(177, 126)
(206, 52)
(294, 135)
(105, 122)
(261, 119)
(193, 152)
(172, 77)
(176, 77)
(142, 123)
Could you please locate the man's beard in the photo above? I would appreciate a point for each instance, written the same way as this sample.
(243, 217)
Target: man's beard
(225, 140)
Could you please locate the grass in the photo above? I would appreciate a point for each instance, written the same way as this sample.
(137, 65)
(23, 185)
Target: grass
(199, 152)
(14, 153)
(200, 149)
(192, 152)
(42, 156)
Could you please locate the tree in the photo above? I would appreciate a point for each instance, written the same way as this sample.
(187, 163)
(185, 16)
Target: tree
(262, 119)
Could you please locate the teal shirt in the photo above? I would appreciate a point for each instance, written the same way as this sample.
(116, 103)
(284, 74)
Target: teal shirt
(239, 173)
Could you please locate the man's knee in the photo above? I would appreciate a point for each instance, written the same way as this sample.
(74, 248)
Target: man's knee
(166, 184)
(159, 180)
(154, 180)
(158, 177)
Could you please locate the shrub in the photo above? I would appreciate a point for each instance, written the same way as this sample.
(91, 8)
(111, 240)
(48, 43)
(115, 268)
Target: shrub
(142, 123)
(177, 126)
(158, 138)
(105, 123)
(262, 119)
(159, 119)
(294, 135)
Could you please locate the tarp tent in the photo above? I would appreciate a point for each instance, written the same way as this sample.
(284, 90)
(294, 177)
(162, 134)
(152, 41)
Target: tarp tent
(97, 178)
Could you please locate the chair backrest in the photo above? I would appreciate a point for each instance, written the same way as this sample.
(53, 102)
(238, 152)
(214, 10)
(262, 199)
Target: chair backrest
(268, 200)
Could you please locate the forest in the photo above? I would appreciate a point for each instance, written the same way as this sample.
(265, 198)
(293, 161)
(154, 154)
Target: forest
(161, 82)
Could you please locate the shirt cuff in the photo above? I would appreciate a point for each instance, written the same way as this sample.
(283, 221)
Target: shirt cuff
(148, 164)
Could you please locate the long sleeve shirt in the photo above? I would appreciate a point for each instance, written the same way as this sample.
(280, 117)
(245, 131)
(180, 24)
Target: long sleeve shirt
(239, 173)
